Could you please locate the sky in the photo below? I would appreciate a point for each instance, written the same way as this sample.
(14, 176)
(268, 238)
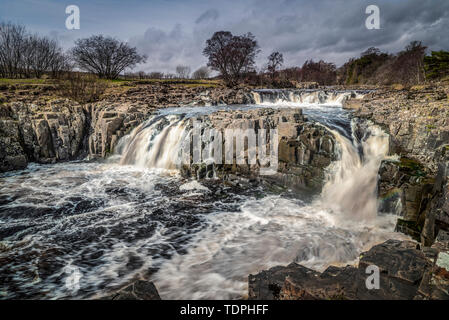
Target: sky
(173, 32)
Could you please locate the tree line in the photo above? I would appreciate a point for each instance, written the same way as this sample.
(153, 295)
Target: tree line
(181, 72)
(234, 56)
(26, 55)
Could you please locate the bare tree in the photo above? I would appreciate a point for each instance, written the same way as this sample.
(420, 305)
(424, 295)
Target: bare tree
(105, 56)
(141, 75)
(231, 55)
(275, 61)
(324, 73)
(169, 76)
(201, 73)
(43, 55)
(12, 38)
(26, 55)
(156, 75)
(183, 72)
(60, 65)
(408, 67)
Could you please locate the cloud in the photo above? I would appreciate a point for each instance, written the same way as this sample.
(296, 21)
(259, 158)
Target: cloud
(333, 30)
(174, 32)
(209, 15)
(166, 50)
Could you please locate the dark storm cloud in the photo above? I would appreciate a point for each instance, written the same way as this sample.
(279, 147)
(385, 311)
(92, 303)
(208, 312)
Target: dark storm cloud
(335, 29)
(174, 32)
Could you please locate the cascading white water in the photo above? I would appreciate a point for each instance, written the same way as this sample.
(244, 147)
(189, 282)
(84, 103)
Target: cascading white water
(154, 145)
(272, 231)
(352, 181)
(117, 222)
(304, 97)
(350, 188)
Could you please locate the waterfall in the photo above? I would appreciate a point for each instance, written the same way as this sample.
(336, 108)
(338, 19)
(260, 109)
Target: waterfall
(351, 185)
(154, 144)
(302, 97)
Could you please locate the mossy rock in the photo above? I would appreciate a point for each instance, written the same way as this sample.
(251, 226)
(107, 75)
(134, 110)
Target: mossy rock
(412, 167)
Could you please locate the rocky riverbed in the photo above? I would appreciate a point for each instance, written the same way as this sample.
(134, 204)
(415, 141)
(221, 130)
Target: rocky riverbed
(414, 184)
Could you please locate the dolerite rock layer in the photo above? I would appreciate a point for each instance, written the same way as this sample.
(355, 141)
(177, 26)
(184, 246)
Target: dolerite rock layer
(305, 149)
(38, 128)
(405, 272)
(416, 186)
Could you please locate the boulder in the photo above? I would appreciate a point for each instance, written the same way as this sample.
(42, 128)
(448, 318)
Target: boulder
(405, 272)
(138, 290)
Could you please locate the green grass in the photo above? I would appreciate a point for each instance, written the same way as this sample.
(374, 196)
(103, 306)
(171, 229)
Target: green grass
(23, 81)
(120, 81)
(175, 81)
(189, 83)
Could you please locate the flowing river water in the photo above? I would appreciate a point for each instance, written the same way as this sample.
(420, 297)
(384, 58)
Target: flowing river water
(133, 216)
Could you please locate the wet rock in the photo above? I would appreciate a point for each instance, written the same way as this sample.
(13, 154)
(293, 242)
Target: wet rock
(109, 122)
(405, 272)
(12, 155)
(45, 134)
(417, 120)
(138, 290)
(304, 149)
(406, 188)
(231, 96)
(267, 285)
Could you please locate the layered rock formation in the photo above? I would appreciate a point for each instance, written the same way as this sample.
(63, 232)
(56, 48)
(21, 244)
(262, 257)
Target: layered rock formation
(111, 121)
(304, 149)
(405, 272)
(417, 185)
(45, 134)
(62, 130)
(36, 127)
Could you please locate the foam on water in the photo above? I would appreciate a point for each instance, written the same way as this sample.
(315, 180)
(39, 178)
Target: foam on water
(133, 216)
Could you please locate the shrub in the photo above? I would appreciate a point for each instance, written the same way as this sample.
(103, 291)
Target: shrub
(83, 88)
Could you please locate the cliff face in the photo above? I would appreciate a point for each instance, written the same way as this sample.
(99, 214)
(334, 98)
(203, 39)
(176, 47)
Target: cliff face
(417, 185)
(45, 134)
(63, 130)
(51, 130)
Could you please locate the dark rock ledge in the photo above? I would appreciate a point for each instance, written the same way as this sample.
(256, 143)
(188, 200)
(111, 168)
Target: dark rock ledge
(138, 290)
(406, 272)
